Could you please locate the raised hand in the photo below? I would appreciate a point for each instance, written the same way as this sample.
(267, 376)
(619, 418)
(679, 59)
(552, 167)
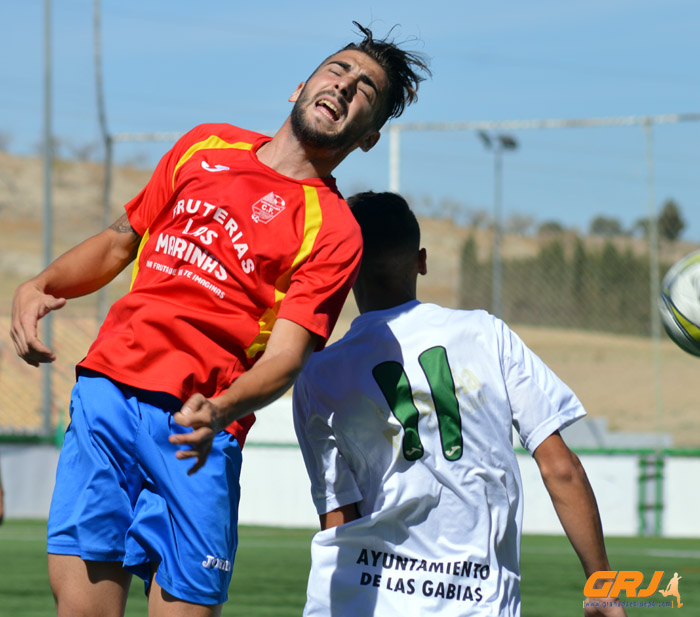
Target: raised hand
(29, 305)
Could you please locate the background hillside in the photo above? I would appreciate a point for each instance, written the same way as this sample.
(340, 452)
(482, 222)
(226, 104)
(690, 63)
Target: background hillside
(613, 374)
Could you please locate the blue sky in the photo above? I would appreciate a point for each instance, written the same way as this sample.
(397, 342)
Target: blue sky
(171, 65)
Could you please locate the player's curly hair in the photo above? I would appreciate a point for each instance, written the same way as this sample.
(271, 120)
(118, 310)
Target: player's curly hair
(403, 70)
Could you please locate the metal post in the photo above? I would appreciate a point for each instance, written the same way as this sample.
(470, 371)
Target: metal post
(654, 282)
(102, 296)
(47, 371)
(654, 290)
(394, 158)
(642, 496)
(496, 292)
(660, 463)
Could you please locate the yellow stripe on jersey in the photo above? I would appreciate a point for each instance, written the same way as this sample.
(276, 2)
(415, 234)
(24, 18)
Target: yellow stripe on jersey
(135, 270)
(312, 224)
(210, 143)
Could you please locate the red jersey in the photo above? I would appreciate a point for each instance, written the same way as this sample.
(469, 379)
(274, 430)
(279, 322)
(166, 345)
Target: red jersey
(228, 246)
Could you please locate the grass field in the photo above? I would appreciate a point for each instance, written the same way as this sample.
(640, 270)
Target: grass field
(272, 564)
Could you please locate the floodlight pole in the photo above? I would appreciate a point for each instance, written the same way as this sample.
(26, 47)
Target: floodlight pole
(498, 144)
(102, 296)
(47, 371)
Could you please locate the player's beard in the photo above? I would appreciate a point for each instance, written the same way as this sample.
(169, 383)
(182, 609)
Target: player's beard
(311, 136)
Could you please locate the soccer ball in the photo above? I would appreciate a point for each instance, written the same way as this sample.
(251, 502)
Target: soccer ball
(680, 303)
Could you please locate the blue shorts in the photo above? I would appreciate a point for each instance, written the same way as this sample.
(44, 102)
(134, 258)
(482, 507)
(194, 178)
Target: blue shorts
(121, 495)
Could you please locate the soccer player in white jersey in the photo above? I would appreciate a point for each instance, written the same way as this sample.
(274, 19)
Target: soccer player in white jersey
(406, 430)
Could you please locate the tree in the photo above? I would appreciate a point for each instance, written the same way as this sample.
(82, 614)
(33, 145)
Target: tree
(474, 277)
(55, 145)
(550, 227)
(605, 226)
(5, 139)
(641, 226)
(579, 277)
(479, 219)
(552, 261)
(671, 224)
(450, 209)
(519, 224)
(82, 152)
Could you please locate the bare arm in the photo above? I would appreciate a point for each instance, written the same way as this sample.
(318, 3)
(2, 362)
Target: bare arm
(287, 351)
(80, 271)
(576, 507)
(339, 516)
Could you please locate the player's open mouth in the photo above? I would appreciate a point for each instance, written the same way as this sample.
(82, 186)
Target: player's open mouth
(329, 108)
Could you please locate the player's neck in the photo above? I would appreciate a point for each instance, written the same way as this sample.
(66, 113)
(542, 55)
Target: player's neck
(288, 156)
(381, 299)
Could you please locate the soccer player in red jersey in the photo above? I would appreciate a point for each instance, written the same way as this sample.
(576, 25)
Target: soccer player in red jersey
(244, 253)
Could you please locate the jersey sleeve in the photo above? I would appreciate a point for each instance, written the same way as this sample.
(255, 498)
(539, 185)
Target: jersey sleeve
(332, 481)
(144, 208)
(540, 401)
(320, 286)
(240, 428)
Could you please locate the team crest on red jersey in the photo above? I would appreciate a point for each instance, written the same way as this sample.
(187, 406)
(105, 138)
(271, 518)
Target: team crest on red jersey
(267, 208)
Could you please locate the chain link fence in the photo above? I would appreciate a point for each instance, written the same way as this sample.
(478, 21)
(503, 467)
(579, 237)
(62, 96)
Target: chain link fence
(553, 234)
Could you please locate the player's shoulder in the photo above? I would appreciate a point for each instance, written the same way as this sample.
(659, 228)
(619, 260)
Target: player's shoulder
(322, 358)
(314, 374)
(226, 132)
(338, 219)
(329, 360)
(339, 228)
(442, 314)
(454, 326)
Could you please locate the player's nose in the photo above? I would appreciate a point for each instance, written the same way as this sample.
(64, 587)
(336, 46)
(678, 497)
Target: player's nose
(346, 85)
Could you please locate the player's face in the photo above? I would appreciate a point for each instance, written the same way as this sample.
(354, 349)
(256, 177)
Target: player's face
(336, 107)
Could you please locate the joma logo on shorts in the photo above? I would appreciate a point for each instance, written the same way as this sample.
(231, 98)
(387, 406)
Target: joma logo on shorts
(217, 563)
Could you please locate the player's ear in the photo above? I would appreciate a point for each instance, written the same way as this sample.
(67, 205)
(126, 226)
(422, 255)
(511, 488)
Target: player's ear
(422, 262)
(369, 141)
(297, 92)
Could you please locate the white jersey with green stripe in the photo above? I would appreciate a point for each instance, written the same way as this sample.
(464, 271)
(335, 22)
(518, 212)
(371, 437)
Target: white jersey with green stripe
(410, 415)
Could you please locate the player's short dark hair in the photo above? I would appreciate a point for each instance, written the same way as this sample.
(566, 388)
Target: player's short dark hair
(390, 230)
(402, 69)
